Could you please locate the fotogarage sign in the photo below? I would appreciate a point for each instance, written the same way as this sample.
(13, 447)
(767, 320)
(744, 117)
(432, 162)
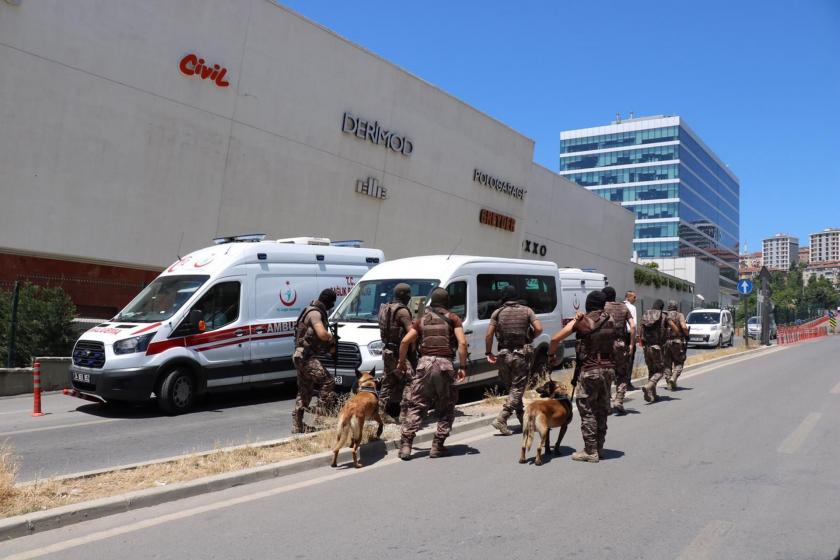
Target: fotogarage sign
(500, 185)
(374, 133)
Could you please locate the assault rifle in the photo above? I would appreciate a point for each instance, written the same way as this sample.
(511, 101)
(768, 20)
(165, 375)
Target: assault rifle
(334, 331)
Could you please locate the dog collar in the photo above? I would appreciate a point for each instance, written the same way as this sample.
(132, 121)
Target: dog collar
(371, 390)
(561, 398)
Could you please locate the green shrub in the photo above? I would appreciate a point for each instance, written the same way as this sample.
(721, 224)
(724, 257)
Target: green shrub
(44, 324)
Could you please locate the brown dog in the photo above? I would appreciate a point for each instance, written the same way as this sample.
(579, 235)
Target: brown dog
(554, 410)
(354, 413)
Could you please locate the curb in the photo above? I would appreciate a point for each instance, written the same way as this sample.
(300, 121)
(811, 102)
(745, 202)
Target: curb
(30, 523)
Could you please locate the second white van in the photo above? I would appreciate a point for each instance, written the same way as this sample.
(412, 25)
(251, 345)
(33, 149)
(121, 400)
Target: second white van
(474, 284)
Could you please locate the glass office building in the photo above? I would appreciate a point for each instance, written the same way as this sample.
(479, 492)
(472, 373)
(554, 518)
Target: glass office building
(685, 200)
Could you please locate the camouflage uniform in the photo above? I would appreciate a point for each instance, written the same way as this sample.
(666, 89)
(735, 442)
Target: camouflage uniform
(597, 334)
(311, 374)
(653, 326)
(675, 348)
(620, 315)
(394, 322)
(433, 381)
(512, 322)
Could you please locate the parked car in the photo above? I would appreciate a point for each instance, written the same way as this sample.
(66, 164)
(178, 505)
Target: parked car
(474, 285)
(754, 328)
(710, 327)
(220, 317)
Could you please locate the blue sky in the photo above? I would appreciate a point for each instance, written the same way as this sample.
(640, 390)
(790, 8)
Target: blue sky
(759, 80)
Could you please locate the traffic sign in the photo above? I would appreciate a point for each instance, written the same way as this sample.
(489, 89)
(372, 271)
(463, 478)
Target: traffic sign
(745, 287)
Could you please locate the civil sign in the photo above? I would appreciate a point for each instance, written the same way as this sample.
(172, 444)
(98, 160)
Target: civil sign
(745, 287)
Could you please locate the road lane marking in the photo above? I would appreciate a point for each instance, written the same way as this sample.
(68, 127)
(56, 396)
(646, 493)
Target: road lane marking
(707, 541)
(836, 390)
(795, 439)
(59, 427)
(179, 515)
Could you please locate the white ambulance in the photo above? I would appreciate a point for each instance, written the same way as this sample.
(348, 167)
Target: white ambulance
(220, 317)
(474, 285)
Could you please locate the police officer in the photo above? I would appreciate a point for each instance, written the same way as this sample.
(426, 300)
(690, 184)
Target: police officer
(394, 323)
(675, 345)
(596, 333)
(312, 337)
(515, 325)
(653, 325)
(439, 332)
(623, 325)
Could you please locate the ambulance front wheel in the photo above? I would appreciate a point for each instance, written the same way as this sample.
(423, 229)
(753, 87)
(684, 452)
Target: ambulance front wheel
(177, 391)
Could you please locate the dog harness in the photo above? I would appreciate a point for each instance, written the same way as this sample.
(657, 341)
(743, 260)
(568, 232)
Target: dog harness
(371, 390)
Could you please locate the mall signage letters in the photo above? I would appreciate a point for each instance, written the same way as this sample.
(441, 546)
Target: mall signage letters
(372, 188)
(374, 133)
(490, 218)
(500, 185)
(534, 248)
(193, 65)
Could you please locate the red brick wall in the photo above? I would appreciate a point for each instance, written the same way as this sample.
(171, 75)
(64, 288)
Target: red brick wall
(97, 290)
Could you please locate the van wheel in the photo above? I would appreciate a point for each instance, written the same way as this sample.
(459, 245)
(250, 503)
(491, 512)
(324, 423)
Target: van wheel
(177, 392)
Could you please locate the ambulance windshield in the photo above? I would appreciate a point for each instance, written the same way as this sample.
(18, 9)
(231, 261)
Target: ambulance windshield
(362, 305)
(161, 299)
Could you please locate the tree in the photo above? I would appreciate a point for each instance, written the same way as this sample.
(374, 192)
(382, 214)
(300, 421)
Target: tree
(820, 294)
(44, 324)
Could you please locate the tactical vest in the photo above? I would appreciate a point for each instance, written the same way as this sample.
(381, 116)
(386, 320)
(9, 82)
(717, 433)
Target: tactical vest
(513, 325)
(620, 315)
(305, 336)
(674, 316)
(436, 332)
(653, 325)
(390, 330)
(602, 339)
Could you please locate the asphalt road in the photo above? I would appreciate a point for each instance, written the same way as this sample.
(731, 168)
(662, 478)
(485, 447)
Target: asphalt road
(78, 435)
(741, 463)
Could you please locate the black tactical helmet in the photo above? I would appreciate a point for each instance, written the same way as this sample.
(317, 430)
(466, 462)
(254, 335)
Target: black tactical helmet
(440, 298)
(509, 293)
(327, 297)
(609, 291)
(658, 304)
(595, 301)
(402, 292)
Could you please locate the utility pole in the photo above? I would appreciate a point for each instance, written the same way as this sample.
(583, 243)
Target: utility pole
(13, 326)
(764, 298)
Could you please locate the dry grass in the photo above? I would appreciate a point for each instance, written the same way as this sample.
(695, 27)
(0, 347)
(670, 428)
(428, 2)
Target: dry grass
(51, 493)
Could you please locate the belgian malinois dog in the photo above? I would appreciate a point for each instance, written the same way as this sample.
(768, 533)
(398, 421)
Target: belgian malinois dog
(351, 420)
(553, 410)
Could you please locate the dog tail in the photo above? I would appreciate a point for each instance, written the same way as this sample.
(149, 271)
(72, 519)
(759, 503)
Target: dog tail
(342, 433)
(528, 429)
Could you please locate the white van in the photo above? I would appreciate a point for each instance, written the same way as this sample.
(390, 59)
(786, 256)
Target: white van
(710, 327)
(474, 285)
(222, 316)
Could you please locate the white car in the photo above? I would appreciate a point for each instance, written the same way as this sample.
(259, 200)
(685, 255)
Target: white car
(220, 317)
(474, 285)
(710, 327)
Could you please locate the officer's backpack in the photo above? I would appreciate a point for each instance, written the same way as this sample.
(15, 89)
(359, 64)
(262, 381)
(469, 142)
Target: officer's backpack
(653, 326)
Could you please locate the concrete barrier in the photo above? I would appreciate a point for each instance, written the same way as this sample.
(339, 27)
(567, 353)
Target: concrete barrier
(18, 381)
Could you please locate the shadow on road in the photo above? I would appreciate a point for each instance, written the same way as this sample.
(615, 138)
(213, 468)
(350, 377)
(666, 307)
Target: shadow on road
(213, 402)
(369, 454)
(664, 398)
(455, 450)
(609, 454)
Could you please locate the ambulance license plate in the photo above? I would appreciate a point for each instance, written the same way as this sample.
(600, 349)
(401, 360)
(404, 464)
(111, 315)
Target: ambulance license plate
(83, 377)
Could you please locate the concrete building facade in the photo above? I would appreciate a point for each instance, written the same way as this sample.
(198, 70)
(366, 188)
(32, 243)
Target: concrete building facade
(780, 252)
(825, 245)
(133, 132)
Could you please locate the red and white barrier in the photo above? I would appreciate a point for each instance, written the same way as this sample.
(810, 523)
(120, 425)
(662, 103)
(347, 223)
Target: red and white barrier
(817, 328)
(36, 389)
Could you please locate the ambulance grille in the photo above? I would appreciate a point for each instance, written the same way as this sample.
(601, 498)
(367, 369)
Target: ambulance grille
(89, 353)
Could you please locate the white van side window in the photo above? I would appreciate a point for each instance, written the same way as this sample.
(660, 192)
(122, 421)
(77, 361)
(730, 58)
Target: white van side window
(538, 292)
(220, 305)
(458, 298)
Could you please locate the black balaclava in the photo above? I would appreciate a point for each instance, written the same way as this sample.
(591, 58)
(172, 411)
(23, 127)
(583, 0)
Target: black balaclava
(658, 304)
(595, 301)
(402, 293)
(327, 297)
(609, 291)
